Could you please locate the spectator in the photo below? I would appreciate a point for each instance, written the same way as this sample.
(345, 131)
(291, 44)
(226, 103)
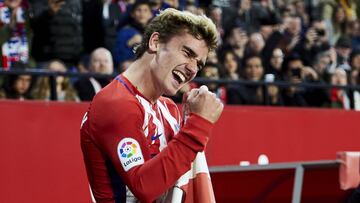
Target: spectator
(353, 31)
(211, 71)
(249, 14)
(64, 89)
(57, 31)
(322, 66)
(15, 34)
(231, 65)
(355, 80)
(343, 50)
(336, 27)
(275, 65)
(255, 45)
(101, 63)
(236, 41)
(296, 72)
(354, 59)
(316, 40)
(300, 11)
(248, 94)
(101, 19)
(215, 14)
(17, 87)
(290, 37)
(339, 97)
(130, 35)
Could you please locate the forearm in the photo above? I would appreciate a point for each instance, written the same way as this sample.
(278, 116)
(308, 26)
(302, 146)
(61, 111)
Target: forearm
(152, 179)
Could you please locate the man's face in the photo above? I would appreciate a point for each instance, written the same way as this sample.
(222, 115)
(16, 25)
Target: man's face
(101, 62)
(293, 25)
(254, 69)
(177, 62)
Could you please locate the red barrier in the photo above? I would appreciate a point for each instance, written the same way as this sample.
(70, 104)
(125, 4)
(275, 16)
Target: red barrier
(283, 134)
(41, 159)
(40, 153)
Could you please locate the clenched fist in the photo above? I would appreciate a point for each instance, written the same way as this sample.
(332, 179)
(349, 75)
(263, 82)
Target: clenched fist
(203, 103)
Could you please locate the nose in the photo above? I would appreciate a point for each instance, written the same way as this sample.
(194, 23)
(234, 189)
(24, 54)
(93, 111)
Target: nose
(191, 68)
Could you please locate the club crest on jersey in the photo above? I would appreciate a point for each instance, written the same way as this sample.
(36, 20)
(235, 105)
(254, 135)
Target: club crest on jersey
(129, 153)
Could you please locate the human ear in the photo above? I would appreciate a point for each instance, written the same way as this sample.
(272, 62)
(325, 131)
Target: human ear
(154, 42)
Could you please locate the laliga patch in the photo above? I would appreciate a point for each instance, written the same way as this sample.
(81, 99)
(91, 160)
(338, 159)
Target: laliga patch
(129, 153)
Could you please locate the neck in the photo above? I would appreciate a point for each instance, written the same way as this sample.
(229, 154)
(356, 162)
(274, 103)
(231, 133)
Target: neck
(140, 75)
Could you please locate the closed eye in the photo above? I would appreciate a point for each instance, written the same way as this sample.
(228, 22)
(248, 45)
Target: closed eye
(191, 54)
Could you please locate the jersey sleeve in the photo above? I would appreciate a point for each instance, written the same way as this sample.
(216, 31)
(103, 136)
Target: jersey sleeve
(119, 131)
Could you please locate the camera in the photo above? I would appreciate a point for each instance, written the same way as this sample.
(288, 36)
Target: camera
(320, 32)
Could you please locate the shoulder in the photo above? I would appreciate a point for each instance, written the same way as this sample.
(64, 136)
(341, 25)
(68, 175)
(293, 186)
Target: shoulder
(116, 100)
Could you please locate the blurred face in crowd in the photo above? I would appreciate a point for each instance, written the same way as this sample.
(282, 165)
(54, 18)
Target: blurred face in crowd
(22, 84)
(238, 38)
(299, 7)
(339, 77)
(213, 57)
(254, 69)
(340, 14)
(12, 3)
(355, 62)
(343, 51)
(266, 31)
(322, 63)
(293, 25)
(355, 31)
(56, 66)
(142, 14)
(277, 59)
(230, 62)
(101, 61)
(256, 42)
(245, 4)
(210, 72)
(215, 15)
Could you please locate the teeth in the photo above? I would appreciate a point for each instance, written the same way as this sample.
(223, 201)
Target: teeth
(180, 75)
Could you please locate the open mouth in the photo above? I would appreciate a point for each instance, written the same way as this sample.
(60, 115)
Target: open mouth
(179, 77)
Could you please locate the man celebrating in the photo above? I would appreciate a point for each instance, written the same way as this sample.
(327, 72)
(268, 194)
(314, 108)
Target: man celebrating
(135, 144)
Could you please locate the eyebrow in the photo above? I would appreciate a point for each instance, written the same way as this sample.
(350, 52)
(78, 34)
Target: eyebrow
(192, 53)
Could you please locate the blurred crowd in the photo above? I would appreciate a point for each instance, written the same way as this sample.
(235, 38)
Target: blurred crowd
(310, 41)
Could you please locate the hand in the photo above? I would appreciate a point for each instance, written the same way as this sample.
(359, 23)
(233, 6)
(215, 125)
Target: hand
(294, 41)
(203, 103)
(309, 72)
(55, 5)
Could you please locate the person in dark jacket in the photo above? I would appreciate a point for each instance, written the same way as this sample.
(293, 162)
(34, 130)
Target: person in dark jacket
(57, 30)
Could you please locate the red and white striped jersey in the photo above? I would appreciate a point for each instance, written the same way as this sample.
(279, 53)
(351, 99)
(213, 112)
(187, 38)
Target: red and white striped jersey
(130, 144)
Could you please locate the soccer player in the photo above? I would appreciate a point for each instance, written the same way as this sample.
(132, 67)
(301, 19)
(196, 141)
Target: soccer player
(134, 141)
